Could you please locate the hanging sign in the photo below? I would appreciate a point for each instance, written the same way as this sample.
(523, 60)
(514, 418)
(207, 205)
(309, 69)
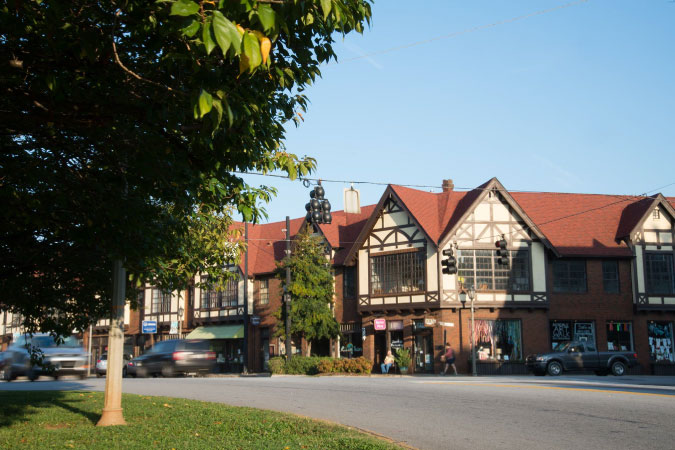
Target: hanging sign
(174, 327)
(380, 324)
(429, 321)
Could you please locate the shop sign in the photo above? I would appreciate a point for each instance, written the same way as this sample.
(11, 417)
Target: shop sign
(149, 327)
(395, 325)
(174, 327)
(380, 324)
(447, 324)
(255, 320)
(429, 321)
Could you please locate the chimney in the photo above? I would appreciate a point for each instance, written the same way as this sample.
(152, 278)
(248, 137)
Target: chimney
(448, 185)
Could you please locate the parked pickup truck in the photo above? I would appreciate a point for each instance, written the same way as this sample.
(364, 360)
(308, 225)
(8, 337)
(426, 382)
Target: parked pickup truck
(580, 356)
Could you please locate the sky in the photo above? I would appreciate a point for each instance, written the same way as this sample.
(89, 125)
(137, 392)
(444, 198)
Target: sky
(577, 99)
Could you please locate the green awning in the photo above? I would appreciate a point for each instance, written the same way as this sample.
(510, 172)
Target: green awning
(217, 332)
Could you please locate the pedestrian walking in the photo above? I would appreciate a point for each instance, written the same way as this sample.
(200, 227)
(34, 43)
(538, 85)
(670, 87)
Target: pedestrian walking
(449, 357)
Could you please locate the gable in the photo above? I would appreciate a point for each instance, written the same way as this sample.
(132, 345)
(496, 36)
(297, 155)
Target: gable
(656, 228)
(393, 229)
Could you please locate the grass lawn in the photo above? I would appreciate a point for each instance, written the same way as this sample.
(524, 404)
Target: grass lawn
(56, 419)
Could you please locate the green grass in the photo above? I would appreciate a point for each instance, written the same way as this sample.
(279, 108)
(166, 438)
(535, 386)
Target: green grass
(55, 419)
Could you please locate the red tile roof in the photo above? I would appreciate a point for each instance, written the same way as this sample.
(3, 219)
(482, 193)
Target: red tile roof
(584, 225)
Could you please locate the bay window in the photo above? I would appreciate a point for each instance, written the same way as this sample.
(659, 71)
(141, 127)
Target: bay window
(397, 273)
(479, 268)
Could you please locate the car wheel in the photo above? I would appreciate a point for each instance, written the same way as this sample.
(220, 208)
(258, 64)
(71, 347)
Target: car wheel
(167, 371)
(554, 368)
(32, 375)
(618, 368)
(7, 375)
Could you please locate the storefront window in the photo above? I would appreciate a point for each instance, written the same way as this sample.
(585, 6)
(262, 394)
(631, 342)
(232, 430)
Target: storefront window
(660, 341)
(620, 336)
(563, 331)
(498, 340)
(351, 346)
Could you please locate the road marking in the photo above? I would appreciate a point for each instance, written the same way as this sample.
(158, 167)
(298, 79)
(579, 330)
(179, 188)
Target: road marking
(605, 391)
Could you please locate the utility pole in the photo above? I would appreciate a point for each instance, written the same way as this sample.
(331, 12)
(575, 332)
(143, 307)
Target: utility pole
(244, 368)
(112, 407)
(287, 293)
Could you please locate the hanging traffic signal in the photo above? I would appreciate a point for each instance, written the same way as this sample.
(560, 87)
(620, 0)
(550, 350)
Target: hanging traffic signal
(502, 252)
(449, 263)
(318, 208)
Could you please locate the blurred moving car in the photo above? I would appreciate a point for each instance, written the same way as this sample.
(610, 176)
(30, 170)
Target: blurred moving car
(66, 358)
(174, 357)
(102, 365)
(3, 359)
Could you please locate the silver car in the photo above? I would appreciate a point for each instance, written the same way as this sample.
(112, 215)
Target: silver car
(66, 358)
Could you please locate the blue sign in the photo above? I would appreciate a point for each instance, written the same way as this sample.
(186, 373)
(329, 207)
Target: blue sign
(149, 327)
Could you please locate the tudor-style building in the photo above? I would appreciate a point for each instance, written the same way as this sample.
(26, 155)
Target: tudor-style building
(580, 266)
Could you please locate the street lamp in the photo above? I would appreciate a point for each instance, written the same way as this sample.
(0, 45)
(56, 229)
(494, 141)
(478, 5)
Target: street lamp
(471, 293)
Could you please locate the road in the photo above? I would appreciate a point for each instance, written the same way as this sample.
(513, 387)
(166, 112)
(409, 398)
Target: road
(448, 412)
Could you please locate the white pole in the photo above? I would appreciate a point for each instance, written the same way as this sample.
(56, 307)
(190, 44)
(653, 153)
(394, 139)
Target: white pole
(89, 346)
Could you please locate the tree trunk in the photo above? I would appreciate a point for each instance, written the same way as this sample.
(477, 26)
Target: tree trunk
(309, 348)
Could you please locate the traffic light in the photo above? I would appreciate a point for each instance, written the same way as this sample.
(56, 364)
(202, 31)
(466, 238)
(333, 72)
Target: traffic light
(318, 208)
(502, 252)
(449, 263)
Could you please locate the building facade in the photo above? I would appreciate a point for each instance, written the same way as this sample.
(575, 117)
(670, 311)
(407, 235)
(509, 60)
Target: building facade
(587, 267)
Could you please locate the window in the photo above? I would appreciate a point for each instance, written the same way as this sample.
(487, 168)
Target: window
(220, 297)
(161, 301)
(563, 331)
(659, 273)
(620, 336)
(349, 282)
(397, 273)
(264, 291)
(656, 215)
(660, 341)
(569, 276)
(479, 268)
(610, 277)
(498, 340)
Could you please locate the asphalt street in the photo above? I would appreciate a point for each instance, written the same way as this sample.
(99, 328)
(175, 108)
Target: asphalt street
(433, 412)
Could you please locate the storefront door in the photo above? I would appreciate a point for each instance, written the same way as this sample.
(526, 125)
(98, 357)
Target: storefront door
(380, 348)
(424, 356)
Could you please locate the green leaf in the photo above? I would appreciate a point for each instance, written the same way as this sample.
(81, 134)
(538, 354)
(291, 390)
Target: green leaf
(326, 7)
(205, 103)
(252, 50)
(226, 33)
(191, 29)
(207, 39)
(184, 8)
(267, 16)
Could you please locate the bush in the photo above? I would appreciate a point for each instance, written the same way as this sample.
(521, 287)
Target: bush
(356, 365)
(276, 365)
(303, 365)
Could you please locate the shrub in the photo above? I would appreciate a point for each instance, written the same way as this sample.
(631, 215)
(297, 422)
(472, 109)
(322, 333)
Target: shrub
(403, 357)
(303, 365)
(356, 365)
(276, 365)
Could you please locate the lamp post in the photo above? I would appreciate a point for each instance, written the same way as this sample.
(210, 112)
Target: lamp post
(471, 293)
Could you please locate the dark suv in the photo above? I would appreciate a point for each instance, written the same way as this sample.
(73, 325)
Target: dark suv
(173, 357)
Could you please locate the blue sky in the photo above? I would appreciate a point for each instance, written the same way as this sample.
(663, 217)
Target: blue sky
(578, 99)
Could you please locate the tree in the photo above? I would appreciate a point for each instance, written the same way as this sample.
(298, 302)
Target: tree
(311, 290)
(123, 127)
(124, 124)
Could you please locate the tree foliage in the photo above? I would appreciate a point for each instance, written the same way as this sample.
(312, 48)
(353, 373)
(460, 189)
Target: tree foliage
(123, 127)
(311, 290)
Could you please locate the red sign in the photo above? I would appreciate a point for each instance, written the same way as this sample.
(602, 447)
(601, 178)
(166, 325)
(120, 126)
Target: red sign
(380, 324)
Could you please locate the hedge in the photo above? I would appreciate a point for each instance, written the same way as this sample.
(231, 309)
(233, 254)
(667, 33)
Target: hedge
(312, 365)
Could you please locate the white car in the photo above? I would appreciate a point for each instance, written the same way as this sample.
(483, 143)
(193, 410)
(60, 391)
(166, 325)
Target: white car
(65, 358)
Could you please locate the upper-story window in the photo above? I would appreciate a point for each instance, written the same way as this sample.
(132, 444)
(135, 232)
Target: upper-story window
(569, 276)
(610, 276)
(397, 273)
(161, 301)
(659, 273)
(656, 215)
(481, 269)
(264, 291)
(223, 297)
(349, 282)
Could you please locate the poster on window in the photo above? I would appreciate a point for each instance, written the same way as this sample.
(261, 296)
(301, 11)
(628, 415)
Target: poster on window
(498, 340)
(661, 341)
(583, 331)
